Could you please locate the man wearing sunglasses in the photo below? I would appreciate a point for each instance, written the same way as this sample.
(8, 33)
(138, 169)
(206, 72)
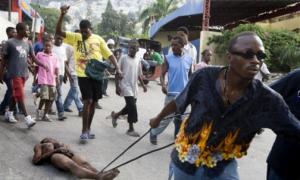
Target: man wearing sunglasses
(229, 107)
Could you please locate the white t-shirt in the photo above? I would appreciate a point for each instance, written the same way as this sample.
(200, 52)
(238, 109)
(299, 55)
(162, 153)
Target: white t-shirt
(70, 59)
(131, 69)
(263, 69)
(61, 53)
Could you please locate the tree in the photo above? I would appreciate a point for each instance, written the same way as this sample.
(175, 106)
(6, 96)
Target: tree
(282, 46)
(115, 24)
(155, 11)
(50, 16)
(89, 13)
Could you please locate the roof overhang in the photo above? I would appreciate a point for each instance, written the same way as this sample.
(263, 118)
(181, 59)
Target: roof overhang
(224, 12)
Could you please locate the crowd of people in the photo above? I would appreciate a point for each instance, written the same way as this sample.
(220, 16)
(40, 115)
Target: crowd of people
(227, 105)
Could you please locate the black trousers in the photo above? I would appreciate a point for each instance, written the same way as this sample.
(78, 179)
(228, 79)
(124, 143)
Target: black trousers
(130, 109)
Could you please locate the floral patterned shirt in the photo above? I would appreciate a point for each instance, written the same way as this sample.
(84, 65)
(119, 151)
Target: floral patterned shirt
(214, 133)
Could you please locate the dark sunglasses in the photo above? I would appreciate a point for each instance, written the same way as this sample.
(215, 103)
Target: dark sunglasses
(250, 55)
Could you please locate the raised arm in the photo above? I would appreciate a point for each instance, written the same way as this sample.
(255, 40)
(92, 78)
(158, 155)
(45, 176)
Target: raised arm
(63, 12)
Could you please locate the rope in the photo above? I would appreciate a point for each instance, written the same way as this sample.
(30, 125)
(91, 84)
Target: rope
(140, 138)
(144, 154)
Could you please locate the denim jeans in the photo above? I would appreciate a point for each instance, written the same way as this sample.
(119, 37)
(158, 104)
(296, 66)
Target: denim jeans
(58, 101)
(73, 94)
(229, 173)
(271, 174)
(164, 123)
(8, 94)
(104, 85)
(35, 88)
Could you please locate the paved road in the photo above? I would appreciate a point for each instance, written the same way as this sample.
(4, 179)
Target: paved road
(17, 143)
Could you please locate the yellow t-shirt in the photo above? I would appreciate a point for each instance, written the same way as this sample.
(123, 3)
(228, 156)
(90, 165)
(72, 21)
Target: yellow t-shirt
(95, 46)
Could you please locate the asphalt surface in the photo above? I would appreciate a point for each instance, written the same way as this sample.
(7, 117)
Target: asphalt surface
(17, 142)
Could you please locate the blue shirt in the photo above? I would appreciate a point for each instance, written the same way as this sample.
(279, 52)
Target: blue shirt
(38, 47)
(178, 72)
(228, 131)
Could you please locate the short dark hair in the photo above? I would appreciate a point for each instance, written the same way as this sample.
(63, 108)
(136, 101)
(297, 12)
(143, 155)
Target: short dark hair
(233, 40)
(85, 24)
(184, 29)
(9, 29)
(179, 39)
(47, 39)
(134, 42)
(77, 31)
(204, 51)
(20, 27)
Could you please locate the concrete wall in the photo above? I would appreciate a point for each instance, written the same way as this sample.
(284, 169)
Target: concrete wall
(4, 24)
(162, 37)
(215, 59)
(288, 22)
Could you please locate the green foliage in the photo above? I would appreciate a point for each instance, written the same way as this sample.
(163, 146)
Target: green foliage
(281, 46)
(155, 11)
(284, 47)
(50, 16)
(115, 24)
(138, 36)
(223, 40)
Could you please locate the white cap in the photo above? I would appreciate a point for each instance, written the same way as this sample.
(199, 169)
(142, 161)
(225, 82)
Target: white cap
(110, 41)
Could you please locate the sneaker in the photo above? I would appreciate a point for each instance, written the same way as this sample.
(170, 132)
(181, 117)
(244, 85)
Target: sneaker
(47, 118)
(153, 138)
(6, 115)
(9, 116)
(68, 110)
(83, 138)
(29, 121)
(133, 133)
(260, 131)
(113, 119)
(62, 117)
(38, 114)
(91, 135)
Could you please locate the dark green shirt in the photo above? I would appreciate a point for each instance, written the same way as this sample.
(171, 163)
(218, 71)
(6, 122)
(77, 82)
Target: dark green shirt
(157, 58)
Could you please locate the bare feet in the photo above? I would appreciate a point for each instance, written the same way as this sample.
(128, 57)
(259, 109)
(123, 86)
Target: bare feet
(114, 119)
(108, 175)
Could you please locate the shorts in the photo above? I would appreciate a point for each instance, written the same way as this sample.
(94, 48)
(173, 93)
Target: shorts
(48, 92)
(17, 84)
(90, 89)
